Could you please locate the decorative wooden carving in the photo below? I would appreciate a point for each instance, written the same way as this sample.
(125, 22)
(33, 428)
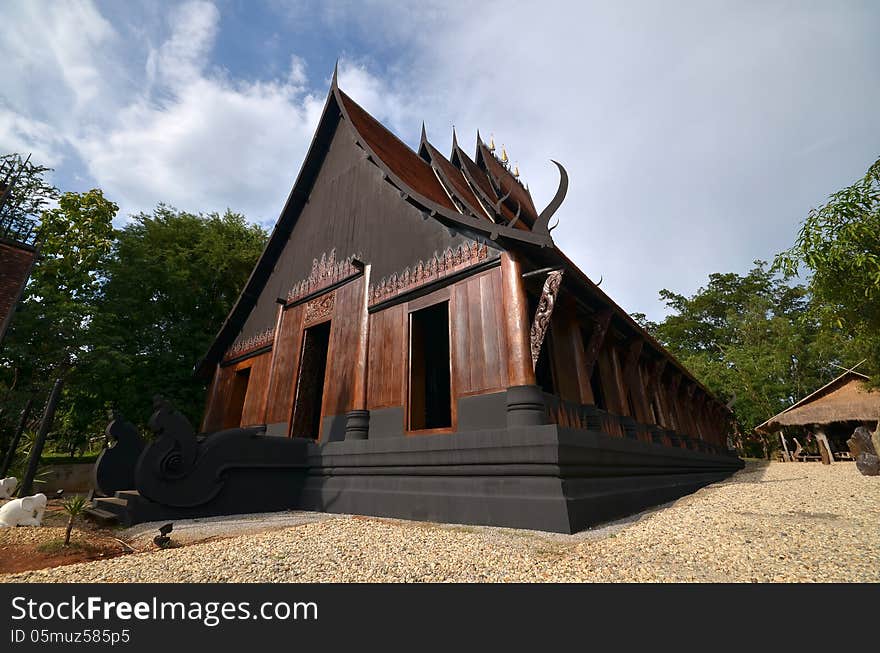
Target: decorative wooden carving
(439, 266)
(601, 322)
(325, 272)
(258, 341)
(543, 313)
(320, 308)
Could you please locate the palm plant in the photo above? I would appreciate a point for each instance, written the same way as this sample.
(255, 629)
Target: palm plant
(73, 506)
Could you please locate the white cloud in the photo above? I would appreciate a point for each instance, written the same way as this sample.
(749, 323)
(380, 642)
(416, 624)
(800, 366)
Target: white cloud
(190, 136)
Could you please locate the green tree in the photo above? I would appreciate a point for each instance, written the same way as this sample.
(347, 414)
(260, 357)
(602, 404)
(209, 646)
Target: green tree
(751, 339)
(50, 332)
(30, 193)
(839, 243)
(172, 280)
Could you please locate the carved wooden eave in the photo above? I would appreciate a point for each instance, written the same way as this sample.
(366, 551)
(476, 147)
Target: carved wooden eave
(248, 346)
(422, 273)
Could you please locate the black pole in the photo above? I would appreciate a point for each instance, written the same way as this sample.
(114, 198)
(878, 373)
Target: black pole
(10, 453)
(37, 451)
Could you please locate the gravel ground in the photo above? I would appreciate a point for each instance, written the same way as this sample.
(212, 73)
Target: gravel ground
(776, 522)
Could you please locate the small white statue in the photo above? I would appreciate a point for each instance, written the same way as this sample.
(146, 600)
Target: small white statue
(7, 487)
(27, 511)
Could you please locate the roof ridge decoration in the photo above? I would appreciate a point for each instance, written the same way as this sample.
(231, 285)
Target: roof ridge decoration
(423, 272)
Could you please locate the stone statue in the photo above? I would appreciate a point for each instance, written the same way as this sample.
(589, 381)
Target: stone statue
(27, 511)
(862, 449)
(7, 487)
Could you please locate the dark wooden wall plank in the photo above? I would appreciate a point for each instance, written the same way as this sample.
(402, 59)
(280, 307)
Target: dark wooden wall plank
(344, 331)
(387, 358)
(258, 384)
(283, 382)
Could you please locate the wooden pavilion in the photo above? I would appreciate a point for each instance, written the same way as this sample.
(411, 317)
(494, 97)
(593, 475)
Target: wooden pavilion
(831, 413)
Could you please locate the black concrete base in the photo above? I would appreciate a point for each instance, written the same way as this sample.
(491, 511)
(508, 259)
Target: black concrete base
(542, 477)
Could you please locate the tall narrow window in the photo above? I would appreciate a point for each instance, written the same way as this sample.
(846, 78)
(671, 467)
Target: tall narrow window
(430, 401)
(310, 382)
(237, 393)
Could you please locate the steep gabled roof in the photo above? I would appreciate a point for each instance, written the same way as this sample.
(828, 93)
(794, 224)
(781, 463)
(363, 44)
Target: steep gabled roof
(416, 180)
(452, 178)
(406, 164)
(843, 399)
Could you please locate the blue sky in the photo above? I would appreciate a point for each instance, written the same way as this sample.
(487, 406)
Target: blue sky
(697, 134)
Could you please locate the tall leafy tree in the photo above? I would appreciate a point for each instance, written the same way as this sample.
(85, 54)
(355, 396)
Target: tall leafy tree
(839, 243)
(30, 192)
(50, 332)
(752, 340)
(171, 281)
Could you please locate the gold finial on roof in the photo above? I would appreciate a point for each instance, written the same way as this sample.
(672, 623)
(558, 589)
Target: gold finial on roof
(492, 142)
(516, 170)
(504, 158)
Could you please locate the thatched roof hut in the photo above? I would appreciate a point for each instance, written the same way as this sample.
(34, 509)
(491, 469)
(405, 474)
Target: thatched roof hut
(845, 399)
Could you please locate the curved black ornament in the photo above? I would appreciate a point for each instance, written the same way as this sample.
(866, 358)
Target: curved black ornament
(543, 221)
(114, 470)
(181, 471)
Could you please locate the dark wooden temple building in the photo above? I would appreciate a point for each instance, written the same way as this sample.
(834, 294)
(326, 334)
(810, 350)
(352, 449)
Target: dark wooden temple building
(414, 330)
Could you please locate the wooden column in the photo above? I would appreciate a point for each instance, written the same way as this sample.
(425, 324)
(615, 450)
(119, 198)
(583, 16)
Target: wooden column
(672, 398)
(788, 457)
(579, 360)
(824, 447)
(688, 416)
(655, 389)
(357, 423)
(525, 400)
(516, 315)
(601, 321)
(633, 380)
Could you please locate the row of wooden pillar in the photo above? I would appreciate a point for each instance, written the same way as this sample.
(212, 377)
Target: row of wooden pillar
(633, 383)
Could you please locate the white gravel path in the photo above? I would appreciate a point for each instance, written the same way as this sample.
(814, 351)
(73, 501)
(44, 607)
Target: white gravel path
(776, 522)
